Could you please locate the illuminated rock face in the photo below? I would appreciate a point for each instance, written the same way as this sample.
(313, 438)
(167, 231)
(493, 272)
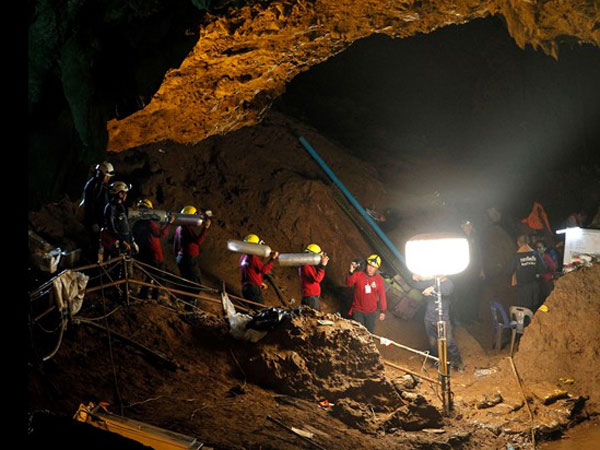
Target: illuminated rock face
(242, 62)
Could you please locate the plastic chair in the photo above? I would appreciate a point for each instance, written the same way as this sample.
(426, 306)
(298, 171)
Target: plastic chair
(517, 315)
(498, 312)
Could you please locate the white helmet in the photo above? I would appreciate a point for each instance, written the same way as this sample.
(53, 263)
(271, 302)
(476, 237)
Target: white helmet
(118, 186)
(106, 168)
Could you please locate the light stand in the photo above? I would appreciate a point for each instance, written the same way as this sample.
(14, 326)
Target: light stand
(433, 256)
(443, 372)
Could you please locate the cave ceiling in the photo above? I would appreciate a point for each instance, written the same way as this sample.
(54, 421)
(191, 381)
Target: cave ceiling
(243, 59)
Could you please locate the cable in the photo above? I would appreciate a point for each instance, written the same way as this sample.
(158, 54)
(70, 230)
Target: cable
(102, 317)
(112, 362)
(48, 331)
(175, 276)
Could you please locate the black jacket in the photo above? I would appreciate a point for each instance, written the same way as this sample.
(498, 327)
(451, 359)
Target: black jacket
(528, 266)
(116, 222)
(431, 313)
(95, 199)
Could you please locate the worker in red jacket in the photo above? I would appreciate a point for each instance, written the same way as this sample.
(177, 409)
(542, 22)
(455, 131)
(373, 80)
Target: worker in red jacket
(186, 247)
(311, 277)
(368, 290)
(148, 234)
(252, 270)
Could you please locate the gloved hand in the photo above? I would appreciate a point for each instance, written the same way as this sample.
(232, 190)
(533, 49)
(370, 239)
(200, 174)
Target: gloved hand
(428, 291)
(136, 248)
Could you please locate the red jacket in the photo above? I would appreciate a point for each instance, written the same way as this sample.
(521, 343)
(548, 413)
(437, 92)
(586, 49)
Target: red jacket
(310, 278)
(253, 269)
(548, 274)
(366, 292)
(148, 234)
(187, 242)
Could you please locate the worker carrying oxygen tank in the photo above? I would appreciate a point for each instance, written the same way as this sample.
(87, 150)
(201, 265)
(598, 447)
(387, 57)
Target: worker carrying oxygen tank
(368, 290)
(94, 199)
(115, 236)
(311, 277)
(147, 234)
(252, 270)
(188, 240)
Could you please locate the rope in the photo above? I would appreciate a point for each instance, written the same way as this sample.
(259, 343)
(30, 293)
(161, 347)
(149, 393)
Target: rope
(211, 290)
(514, 368)
(135, 263)
(48, 331)
(404, 347)
(60, 337)
(102, 317)
(172, 275)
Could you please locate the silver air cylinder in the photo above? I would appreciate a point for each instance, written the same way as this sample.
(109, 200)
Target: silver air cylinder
(148, 214)
(249, 248)
(187, 219)
(299, 259)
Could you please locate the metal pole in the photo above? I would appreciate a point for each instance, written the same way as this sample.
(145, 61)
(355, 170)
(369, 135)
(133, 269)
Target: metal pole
(126, 272)
(443, 371)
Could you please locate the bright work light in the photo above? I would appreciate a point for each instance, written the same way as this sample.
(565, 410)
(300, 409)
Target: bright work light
(436, 254)
(433, 256)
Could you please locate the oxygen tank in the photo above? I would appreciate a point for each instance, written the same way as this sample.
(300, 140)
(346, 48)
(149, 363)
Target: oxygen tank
(248, 248)
(162, 216)
(147, 214)
(187, 219)
(299, 259)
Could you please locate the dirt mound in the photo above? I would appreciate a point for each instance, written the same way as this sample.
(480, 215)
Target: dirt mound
(562, 343)
(339, 363)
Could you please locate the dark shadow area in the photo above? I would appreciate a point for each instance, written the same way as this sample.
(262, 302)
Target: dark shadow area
(524, 125)
(89, 63)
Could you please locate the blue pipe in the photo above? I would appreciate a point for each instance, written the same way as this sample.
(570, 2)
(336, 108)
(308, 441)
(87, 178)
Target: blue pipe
(352, 200)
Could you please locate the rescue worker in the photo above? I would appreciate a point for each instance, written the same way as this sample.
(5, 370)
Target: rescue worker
(526, 267)
(469, 282)
(368, 290)
(94, 200)
(116, 237)
(311, 277)
(147, 234)
(252, 270)
(547, 276)
(432, 317)
(187, 246)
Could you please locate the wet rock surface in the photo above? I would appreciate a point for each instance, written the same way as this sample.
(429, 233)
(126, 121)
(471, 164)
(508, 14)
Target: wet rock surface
(243, 60)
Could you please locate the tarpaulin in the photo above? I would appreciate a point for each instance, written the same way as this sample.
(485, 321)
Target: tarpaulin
(69, 289)
(537, 219)
(238, 322)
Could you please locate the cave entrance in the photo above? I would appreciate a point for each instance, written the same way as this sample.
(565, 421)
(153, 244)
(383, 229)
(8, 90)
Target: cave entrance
(459, 121)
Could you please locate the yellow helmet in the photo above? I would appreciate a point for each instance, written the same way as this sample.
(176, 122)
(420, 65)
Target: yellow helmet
(313, 248)
(189, 209)
(374, 260)
(252, 238)
(145, 203)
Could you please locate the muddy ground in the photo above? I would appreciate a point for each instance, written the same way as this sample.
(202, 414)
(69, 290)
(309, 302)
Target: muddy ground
(260, 180)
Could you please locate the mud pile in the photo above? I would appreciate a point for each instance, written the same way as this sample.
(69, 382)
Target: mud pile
(563, 342)
(339, 363)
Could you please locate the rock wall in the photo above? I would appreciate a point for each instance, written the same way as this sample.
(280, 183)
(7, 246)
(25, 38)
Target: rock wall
(243, 60)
